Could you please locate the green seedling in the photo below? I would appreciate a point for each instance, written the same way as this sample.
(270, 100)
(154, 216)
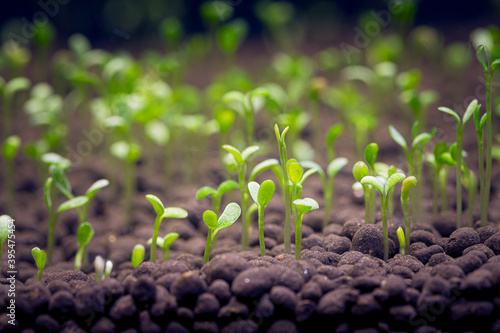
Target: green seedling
(371, 152)
(137, 255)
(302, 206)
(10, 148)
(408, 182)
(40, 259)
(241, 159)
(333, 168)
(479, 123)
(6, 232)
(384, 190)
(295, 173)
(471, 109)
(161, 213)
(489, 70)
(284, 184)
(261, 195)
(390, 206)
(165, 243)
(171, 30)
(230, 214)
(332, 135)
(359, 171)
(230, 37)
(471, 185)
(90, 194)
(84, 235)
(402, 241)
(216, 194)
(8, 92)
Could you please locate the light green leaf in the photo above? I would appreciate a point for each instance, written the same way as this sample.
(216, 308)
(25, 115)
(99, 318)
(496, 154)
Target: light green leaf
(422, 138)
(375, 182)
(158, 132)
(235, 100)
(494, 65)
(235, 153)
(175, 213)
(335, 166)
(306, 175)
(46, 193)
(397, 137)
(265, 193)
(15, 85)
(159, 241)
(408, 182)
(157, 204)
(262, 166)
(295, 171)
(231, 213)
(314, 165)
(169, 239)
(11, 146)
(53, 158)
(253, 189)
(210, 219)
(249, 151)
(98, 185)
(450, 112)
(4, 228)
(40, 257)
(60, 180)
(225, 119)
(305, 205)
(469, 112)
(226, 186)
(371, 152)
(401, 237)
(138, 255)
(76, 202)
(392, 181)
(482, 57)
(359, 170)
(85, 234)
(204, 191)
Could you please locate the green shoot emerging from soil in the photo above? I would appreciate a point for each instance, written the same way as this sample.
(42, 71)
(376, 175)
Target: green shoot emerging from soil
(40, 257)
(214, 224)
(408, 182)
(161, 213)
(5, 230)
(359, 171)
(384, 190)
(479, 123)
(286, 195)
(102, 269)
(302, 206)
(261, 195)
(371, 152)
(165, 243)
(333, 168)
(10, 148)
(460, 131)
(402, 241)
(138, 255)
(90, 194)
(332, 135)
(84, 236)
(216, 194)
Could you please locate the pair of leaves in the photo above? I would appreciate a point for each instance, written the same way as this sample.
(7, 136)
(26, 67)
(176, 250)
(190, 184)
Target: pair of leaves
(40, 257)
(482, 57)
(169, 212)
(305, 205)
(333, 133)
(166, 241)
(240, 157)
(222, 189)
(230, 214)
(263, 193)
(85, 234)
(126, 151)
(380, 186)
(469, 112)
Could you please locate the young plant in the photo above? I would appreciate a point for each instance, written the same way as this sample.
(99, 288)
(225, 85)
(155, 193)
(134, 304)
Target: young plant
(359, 171)
(332, 135)
(333, 168)
(5, 233)
(90, 194)
(240, 159)
(384, 190)
(84, 235)
(137, 255)
(40, 259)
(489, 70)
(10, 148)
(295, 173)
(402, 241)
(161, 213)
(302, 206)
(165, 243)
(261, 195)
(471, 185)
(230, 214)
(371, 152)
(471, 109)
(8, 91)
(102, 269)
(284, 183)
(216, 194)
(408, 182)
(479, 123)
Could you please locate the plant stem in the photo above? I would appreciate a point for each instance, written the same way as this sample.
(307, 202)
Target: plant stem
(286, 199)
(156, 230)
(444, 196)
(406, 211)
(419, 189)
(244, 232)
(480, 145)
(78, 258)
(486, 196)
(39, 275)
(459, 179)
(207, 247)
(50, 237)
(261, 232)
(328, 204)
(384, 227)
(368, 203)
(298, 236)
(166, 253)
(390, 204)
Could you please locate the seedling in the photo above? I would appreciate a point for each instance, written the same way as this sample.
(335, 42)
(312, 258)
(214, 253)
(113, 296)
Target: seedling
(471, 109)
(471, 185)
(371, 152)
(161, 213)
(284, 183)
(165, 243)
(40, 258)
(384, 190)
(90, 194)
(402, 241)
(489, 70)
(295, 173)
(479, 123)
(359, 171)
(216, 194)
(408, 182)
(333, 168)
(137, 255)
(261, 195)
(240, 159)
(102, 269)
(332, 135)
(10, 148)
(5, 233)
(230, 214)
(8, 91)
(303, 206)
(84, 235)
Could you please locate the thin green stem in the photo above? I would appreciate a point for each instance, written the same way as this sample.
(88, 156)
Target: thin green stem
(166, 253)
(261, 232)
(487, 184)
(39, 275)
(286, 199)
(78, 258)
(328, 203)
(207, 247)
(156, 230)
(406, 211)
(373, 204)
(419, 190)
(459, 179)
(390, 204)
(298, 236)
(444, 196)
(480, 145)
(384, 226)
(241, 180)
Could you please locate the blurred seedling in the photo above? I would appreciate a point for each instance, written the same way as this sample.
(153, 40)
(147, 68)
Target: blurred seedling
(359, 171)
(216, 194)
(165, 243)
(408, 182)
(479, 123)
(284, 185)
(84, 235)
(402, 241)
(302, 206)
(10, 148)
(137, 255)
(8, 90)
(40, 259)
(261, 195)
(102, 268)
(331, 136)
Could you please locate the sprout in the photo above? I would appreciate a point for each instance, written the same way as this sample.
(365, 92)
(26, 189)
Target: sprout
(402, 241)
(371, 152)
(84, 236)
(216, 194)
(228, 217)
(284, 182)
(332, 135)
(40, 257)
(384, 190)
(99, 265)
(333, 168)
(8, 92)
(90, 194)
(161, 213)
(261, 195)
(471, 109)
(479, 123)
(6, 232)
(408, 182)
(10, 148)
(359, 171)
(165, 243)
(303, 206)
(137, 255)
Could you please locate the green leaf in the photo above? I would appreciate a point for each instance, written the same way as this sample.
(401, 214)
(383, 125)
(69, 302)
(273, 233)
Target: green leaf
(335, 166)
(159, 241)
(305, 205)
(265, 193)
(11, 146)
(401, 237)
(314, 165)
(175, 213)
(157, 132)
(157, 204)
(235, 153)
(482, 57)
(40, 257)
(371, 152)
(373, 181)
(398, 138)
(85, 234)
(249, 151)
(262, 166)
(447, 158)
(126, 151)
(359, 170)
(392, 181)
(469, 112)
(53, 158)
(15, 85)
(231, 213)
(333, 133)
(169, 239)
(60, 180)
(483, 121)
(295, 171)
(76, 202)
(138, 255)
(226, 186)
(450, 112)
(494, 64)
(306, 175)
(408, 182)
(4, 228)
(46, 193)
(414, 130)
(204, 191)
(235, 100)
(422, 138)
(253, 189)
(98, 185)
(210, 219)
(225, 119)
